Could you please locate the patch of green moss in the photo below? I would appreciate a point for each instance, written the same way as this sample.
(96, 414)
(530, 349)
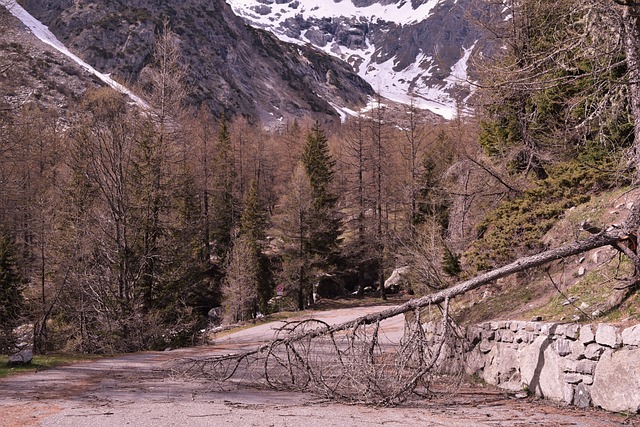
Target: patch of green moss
(517, 226)
(44, 361)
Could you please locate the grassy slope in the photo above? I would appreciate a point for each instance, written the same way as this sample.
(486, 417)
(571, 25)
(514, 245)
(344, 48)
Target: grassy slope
(587, 280)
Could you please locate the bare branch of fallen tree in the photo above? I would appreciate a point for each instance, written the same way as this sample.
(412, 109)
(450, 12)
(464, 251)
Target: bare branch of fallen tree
(359, 365)
(351, 361)
(613, 237)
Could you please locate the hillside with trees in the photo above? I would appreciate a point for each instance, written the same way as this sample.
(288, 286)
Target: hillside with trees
(121, 229)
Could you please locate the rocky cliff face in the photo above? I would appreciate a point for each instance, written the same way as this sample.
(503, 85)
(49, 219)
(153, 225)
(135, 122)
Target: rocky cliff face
(419, 48)
(231, 66)
(32, 72)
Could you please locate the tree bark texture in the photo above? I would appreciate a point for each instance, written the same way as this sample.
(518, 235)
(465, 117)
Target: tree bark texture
(632, 51)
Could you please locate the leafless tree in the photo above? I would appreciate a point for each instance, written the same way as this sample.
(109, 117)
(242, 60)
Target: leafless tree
(629, 29)
(415, 132)
(293, 222)
(356, 164)
(240, 286)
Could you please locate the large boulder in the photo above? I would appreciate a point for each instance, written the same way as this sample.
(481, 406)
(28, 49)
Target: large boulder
(397, 279)
(215, 316)
(541, 368)
(616, 381)
(22, 357)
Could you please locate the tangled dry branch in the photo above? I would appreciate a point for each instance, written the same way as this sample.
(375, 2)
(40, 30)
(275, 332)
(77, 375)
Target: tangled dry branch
(355, 361)
(360, 364)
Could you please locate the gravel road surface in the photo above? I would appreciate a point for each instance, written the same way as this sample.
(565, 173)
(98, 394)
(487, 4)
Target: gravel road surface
(137, 390)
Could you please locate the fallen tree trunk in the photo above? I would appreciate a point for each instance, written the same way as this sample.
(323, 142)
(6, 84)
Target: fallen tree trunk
(613, 237)
(353, 365)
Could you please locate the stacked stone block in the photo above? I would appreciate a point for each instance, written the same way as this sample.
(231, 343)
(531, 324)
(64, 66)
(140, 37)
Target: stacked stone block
(583, 365)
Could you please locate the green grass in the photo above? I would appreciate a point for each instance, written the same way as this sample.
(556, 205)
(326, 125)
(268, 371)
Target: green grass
(502, 300)
(41, 362)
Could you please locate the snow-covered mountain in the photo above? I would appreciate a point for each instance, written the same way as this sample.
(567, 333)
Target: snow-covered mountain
(230, 66)
(406, 49)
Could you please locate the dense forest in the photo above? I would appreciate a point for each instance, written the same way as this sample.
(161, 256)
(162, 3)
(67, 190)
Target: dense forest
(121, 228)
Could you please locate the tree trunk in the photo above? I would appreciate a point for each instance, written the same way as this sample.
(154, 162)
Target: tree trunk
(631, 36)
(632, 51)
(614, 237)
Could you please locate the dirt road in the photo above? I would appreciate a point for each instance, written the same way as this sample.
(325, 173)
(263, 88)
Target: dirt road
(136, 390)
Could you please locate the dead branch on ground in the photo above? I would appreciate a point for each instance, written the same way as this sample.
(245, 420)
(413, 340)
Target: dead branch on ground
(354, 361)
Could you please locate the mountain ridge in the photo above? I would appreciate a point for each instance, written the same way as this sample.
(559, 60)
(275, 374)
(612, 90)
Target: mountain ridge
(232, 67)
(418, 51)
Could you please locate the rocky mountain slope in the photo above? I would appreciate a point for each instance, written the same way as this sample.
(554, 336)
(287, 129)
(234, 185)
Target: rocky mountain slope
(20, 47)
(417, 48)
(231, 66)
(34, 72)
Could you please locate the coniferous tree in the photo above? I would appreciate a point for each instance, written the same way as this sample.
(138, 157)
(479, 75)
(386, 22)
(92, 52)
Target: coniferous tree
(252, 227)
(415, 135)
(204, 135)
(431, 200)
(324, 222)
(240, 286)
(293, 222)
(450, 262)
(253, 221)
(357, 159)
(11, 297)
(161, 163)
(223, 200)
(379, 137)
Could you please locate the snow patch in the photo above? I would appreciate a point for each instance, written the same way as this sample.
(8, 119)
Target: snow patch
(412, 84)
(459, 70)
(403, 13)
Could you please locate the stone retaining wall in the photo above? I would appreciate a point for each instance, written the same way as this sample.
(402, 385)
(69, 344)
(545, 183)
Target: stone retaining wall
(582, 365)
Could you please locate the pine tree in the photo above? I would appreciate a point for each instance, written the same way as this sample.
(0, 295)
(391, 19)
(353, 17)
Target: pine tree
(431, 201)
(324, 222)
(11, 298)
(450, 262)
(253, 224)
(379, 133)
(223, 201)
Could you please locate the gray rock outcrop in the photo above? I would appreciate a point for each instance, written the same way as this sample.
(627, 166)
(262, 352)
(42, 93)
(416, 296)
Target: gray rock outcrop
(617, 381)
(230, 66)
(419, 52)
(22, 357)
